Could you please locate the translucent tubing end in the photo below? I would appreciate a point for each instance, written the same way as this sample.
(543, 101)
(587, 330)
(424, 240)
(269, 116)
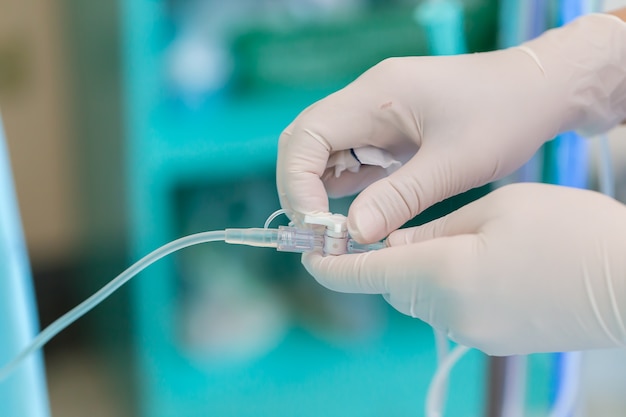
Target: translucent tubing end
(284, 239)
(356, 247)
(291, 239)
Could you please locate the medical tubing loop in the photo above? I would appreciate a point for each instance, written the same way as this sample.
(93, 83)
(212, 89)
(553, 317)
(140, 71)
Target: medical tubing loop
(71, 316)
(273, 216)
(442, 347)
(438, 382)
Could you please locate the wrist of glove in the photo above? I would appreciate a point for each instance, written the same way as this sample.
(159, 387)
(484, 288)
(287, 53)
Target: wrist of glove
(585, 64)
(528, 268)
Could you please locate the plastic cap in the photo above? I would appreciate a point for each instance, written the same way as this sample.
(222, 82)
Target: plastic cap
(336, 223)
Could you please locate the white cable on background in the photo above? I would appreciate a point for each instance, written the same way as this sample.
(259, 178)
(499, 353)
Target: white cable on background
(438, 383)
(74, 314)
(442, 347)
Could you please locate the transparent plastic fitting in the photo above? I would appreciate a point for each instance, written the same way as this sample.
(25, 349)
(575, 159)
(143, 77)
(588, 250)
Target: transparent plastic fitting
(284, 239)
(328, 232)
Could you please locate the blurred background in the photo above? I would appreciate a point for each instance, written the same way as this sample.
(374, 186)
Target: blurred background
(132, 123)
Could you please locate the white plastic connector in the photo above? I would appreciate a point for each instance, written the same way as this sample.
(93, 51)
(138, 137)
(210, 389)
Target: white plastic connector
(335, 223)
(335, 233)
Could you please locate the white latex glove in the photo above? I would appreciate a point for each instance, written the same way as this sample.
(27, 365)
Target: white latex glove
(528, 268)
(455, 122)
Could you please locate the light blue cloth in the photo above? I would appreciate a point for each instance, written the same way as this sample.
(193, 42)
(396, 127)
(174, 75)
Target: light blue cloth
(23, 393)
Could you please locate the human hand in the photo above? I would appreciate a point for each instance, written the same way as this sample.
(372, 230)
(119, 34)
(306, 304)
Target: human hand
(528, 268)
(454, 122)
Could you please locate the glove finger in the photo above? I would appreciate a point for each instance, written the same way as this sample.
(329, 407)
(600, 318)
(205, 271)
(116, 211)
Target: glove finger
(344, 120)
(363, 273)
(305, 146)
(432, 175)
(395, 270)
(280, 175)
(350, 183)
(301, 162)
(423, 280)
(465, 220)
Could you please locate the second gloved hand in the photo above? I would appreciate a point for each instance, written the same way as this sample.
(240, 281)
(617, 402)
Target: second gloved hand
(528, 268)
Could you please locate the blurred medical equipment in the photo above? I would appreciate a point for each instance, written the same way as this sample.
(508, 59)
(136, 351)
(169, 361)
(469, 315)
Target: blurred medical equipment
(24, 394)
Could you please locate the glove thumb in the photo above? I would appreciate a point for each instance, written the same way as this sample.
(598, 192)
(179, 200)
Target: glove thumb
(390, 202)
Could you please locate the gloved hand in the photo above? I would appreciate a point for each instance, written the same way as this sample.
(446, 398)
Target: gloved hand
(455, 122)
(527, 268)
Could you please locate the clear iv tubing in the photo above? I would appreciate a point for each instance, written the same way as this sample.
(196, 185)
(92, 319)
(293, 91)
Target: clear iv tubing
(71, 316)
(438, 383)
(285, 239)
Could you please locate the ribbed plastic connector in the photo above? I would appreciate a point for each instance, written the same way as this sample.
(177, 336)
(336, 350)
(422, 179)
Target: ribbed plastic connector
(284, 239)
(291, 239)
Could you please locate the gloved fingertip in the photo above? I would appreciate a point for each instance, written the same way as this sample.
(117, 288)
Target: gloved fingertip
(310, 259)
(362, 225)
(320, 268)
(411, 235)
(397, 238)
